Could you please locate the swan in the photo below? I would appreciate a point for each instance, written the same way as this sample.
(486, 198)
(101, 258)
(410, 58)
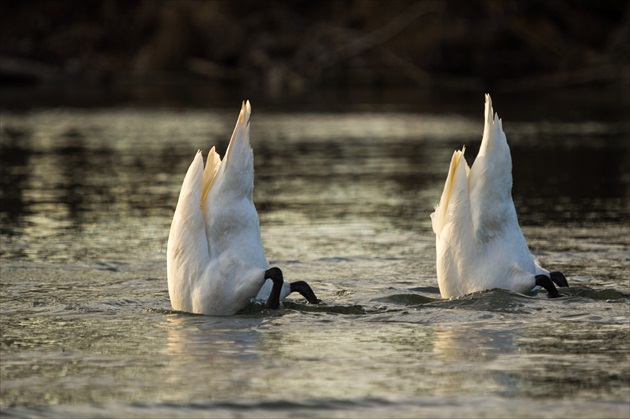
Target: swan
(479, 244)
(215, 258)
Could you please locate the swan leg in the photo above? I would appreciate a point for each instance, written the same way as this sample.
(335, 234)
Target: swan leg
(275, 274)
(305, 290)
(546, 282)
(559, 279)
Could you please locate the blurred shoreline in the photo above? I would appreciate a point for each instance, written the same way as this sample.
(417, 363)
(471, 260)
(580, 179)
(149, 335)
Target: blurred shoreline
(293, 51)
(578, 103)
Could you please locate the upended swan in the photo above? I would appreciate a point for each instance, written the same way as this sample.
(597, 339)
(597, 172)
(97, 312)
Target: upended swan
(479, 243)
(215, 258)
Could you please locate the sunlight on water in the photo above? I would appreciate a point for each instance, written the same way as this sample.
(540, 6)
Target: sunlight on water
(344, 203)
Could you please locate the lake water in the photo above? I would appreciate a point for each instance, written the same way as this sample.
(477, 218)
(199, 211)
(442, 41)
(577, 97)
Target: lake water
(344, 200)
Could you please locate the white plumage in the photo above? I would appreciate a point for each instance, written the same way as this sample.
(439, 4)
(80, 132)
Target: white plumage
(479, 243)
(215, 259)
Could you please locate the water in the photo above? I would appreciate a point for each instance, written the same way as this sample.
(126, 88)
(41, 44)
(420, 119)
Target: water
(344, 200)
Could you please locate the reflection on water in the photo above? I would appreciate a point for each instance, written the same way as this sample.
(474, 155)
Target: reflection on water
(101, 173)
(289, 357)
(344, 203)
(469, 356)
(574, 358)
(216, 356)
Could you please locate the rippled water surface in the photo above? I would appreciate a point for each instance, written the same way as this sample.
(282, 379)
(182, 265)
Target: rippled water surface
(344, 202)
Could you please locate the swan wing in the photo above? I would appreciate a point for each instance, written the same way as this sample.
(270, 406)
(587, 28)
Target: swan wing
(187, 250)
(454, 202)
(455, 244)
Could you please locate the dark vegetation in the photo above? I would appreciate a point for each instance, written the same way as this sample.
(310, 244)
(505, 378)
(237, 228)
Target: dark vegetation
(295, 46)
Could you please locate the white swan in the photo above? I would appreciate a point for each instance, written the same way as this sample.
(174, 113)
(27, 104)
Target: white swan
(479, 243)
(215, 259)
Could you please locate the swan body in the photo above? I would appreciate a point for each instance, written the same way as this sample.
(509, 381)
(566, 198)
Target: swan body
(215, 258)
(479, 243)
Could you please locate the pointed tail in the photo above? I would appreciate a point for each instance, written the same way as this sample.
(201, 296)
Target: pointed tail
(491, 180)
(240, 136)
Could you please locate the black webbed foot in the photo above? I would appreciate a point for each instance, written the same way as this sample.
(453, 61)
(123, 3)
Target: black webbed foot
(275, 274)
(559, 279)
(546, 282)
(305, 290)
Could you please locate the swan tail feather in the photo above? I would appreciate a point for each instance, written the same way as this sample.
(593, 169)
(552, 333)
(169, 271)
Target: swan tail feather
(490, 180)
(493, 140)
(236, 172)
(228, 207)
(240, 137)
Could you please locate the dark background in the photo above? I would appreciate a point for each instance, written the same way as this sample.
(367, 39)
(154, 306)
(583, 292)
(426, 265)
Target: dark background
(298, 48)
